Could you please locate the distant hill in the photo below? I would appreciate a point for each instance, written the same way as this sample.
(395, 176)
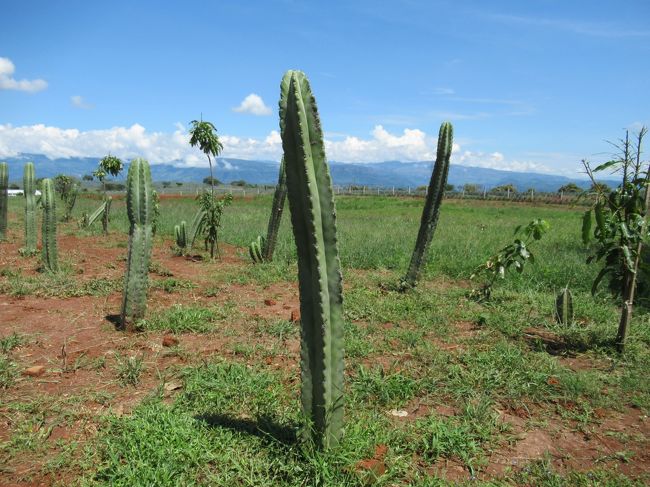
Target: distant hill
(383, 174)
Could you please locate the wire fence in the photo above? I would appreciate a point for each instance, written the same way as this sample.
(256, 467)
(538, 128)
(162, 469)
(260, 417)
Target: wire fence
(531, 196)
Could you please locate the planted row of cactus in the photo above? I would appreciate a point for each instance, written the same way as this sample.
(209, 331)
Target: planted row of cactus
(49, 253)
(313, 218)
(4, 198)
(139, 205)
(431, 210)
(29, 192)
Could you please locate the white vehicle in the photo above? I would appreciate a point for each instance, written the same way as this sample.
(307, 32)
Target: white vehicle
(19, 192)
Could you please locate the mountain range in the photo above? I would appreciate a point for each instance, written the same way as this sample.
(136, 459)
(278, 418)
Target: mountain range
(381, 174)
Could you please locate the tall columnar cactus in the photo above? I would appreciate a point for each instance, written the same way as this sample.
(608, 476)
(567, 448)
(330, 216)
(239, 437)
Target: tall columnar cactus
(49, 254)
(29, 191)
(4, 195)
(279, 197)
(139, 205)
(431, 209)
(564, 307)
(313, 218)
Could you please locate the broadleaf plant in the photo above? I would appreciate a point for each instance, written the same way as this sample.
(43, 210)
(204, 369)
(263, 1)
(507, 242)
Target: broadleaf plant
(514, 255)
(621, 230)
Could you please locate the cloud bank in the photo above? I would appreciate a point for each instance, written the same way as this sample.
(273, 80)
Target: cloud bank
(8, 82)
(163, 147)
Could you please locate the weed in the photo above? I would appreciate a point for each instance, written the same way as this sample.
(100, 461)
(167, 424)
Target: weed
(129, 369)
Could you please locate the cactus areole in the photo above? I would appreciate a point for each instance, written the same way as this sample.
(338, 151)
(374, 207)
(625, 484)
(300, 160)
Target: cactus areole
(139, 205)
(313, 219)
(431, 209)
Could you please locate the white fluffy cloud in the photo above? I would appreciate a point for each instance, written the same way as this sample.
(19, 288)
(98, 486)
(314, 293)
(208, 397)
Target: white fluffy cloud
(254, 105)
(8, 82)
(79, 102)
(135, 141)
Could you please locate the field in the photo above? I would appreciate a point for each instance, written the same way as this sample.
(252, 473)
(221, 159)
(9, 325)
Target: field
(440, 389)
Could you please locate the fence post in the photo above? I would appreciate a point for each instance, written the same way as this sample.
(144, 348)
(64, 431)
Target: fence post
(484, 192)
(508, 193)
(393, 190)
(532, 194)
(409, 190)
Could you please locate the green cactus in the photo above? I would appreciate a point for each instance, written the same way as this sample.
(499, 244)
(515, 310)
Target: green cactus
(279, 198)
(313, 218)
(49, 254)
(29, 191)
(431, 210)
(4, 198)
(106, 213)
(139, 205)
(180, 233)
(92, 218)
(255, 250)
(564, 307)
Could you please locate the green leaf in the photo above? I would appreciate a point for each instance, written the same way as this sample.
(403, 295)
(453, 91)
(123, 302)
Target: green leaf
(628, 257)
(605, 165)
(599, 277)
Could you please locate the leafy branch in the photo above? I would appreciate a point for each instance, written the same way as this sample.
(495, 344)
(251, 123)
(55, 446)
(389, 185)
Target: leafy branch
(516, 255)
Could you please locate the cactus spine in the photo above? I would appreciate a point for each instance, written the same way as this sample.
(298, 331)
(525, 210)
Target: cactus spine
(564, 307)
(313, 218)
(29, 191)
(49, 254)
(431, 210)
(4, 198)
(139, 205)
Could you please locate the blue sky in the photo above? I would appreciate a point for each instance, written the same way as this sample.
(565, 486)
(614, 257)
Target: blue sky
(533, 85)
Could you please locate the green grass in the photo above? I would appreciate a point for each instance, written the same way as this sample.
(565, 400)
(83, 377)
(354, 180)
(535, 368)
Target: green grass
(195, 319)
(234, 422)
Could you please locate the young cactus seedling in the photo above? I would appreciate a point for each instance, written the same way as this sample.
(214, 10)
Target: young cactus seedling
(564, 307)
